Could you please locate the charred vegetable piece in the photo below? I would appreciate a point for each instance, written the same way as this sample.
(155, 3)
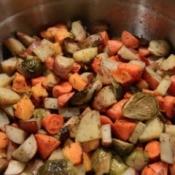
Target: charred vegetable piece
(86, 95)
(141, 106)
(57, 167)
(31, 67)
(25, 39)
(70, 46)
(117, 166)
(121, 147)
(138, 159)
(118, 90)
(64, 134)
(101, 161)
(91, 41)
(159, 47)
(69, 112)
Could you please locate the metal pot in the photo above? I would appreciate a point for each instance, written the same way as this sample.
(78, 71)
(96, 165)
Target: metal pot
(146, 18)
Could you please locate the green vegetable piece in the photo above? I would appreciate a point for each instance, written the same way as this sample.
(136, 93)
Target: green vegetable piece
(31, 67)
(57, 167)
(141, 106)
(86, 95)
(40, 113)
(117, 166)
(121, 147)
(101, 161)
(138, 159)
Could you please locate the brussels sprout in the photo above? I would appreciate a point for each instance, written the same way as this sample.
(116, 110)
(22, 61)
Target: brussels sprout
(137, 159)
(101, 161)
(141, 106)
(118, 90)
(117, 166)
(121, 147)
(31, 67)
(85, 95)
(57, 167)
(159, 47)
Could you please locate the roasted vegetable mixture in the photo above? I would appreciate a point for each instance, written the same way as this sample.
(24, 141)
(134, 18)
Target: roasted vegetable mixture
(77, 101)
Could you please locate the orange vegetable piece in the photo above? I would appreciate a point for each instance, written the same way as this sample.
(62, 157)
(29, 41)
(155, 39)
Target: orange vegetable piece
(63, 99)
(122, 77)
(133, 69)
(73, 152)
(62, 88)
(172, 169)
(4, 140)
(38, 80)
(105, 37)
(153, 150)
(114, 46)
(46, 145)
(52, 123)
(160, 168)
(19, 84)
(169, 106)
(123, 129)
(24, 109)
(143, 51)
(77, 81)
(105, 120)
(87, 161)
(115, 112)
(129, 40)
(96, 64)
(49, 63)
(148, 171)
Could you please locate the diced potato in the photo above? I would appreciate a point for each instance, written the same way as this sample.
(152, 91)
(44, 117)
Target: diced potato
(8, 97)
(26, 171)
(89, 127)
(9, 66)
(159, 47)
(106, 135)
(85, 55)
(164, 86)
(69, 112)
(166, 150)
(138, 62)
(14, 167)
(51, 103)
(130, 171)
(26, 151)
(127, 54)
(14, 46)
(62, 66)
(15, 134)
(34, 165)
(3, 120)
(56, 154)
(78, 31)
(4, 80)
(168, 64)
(137, 132)
(9, 110)
(90, 145)
(153, 130)
(44, 50)
(170, 129)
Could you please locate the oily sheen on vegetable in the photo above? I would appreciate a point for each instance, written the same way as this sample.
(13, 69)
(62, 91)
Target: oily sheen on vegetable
(76, 100)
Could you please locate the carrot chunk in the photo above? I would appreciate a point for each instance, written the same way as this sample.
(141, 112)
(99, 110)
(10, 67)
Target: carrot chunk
(52, 123)
(46, 145)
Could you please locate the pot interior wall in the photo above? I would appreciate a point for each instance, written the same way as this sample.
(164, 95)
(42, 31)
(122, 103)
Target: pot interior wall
(148, 19)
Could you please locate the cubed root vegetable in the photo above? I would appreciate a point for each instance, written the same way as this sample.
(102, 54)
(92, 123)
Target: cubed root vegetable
(64, 98)
(114, 46)
(4, 140)
(46, 145)
(87, 162)
(24, 109)
(73, 152)
(123, 129)
(115, 112)
(153, 150)
(105, 120)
